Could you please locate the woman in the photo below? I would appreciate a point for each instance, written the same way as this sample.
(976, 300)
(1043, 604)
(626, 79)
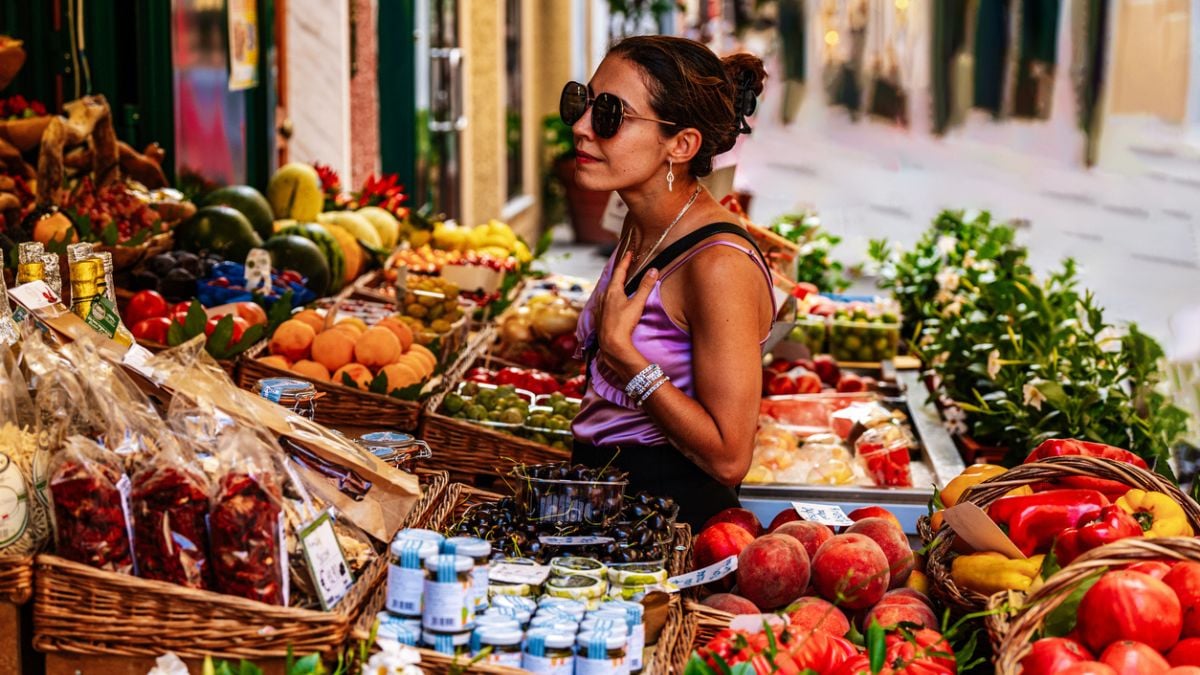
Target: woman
(675, 365)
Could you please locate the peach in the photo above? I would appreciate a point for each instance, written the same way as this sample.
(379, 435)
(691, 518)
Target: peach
(292, 340)
(359, 374)
(312, 318)
(784, 516)
(773, 570)
(377, 347)
(728, 602)
(276, 362)
(740, 517)
(718, 543)
(907, 595)
(312, 370)
(808, 533)
(333, 349)
(893, 543)
(894, 612)
(850, 570)
(809, 614)
(874, 512)
(400, 330)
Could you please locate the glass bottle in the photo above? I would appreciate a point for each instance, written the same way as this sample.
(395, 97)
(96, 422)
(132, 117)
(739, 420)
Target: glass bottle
(53, 275)
(30, 264)
(86, 278)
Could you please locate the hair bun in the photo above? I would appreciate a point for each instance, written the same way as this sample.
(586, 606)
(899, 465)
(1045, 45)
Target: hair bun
(746, 73)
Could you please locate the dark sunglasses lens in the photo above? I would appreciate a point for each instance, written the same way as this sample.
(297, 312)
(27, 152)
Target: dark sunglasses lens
(606, 115)
(573, 103)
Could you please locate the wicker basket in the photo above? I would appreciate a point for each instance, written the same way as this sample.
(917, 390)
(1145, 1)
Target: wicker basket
(16, 579)
(82, 610)
(339, 405)
(986, 492)
(433, 491)
(1016, 632)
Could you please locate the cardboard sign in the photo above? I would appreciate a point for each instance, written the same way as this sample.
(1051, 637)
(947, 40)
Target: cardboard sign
(973, 526)
(830, 515)
(326, 561)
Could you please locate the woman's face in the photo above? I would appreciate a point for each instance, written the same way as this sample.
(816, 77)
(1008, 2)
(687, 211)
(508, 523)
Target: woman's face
(637, 152)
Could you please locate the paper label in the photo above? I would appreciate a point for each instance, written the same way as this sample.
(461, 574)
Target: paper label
(326, 561)
(34, 295)
(549, 665)
(284, 565)
(448, 606)
(586, 666)
(506, 659)
(574, 541)
(981, 533)
(637, 645)
(136, 359)
(508, 573)
(831, 515)
(125, 487)
(405, 588)
(479, 586)
(258, 270)
(103, 316)
(14, 502)
(715, 571)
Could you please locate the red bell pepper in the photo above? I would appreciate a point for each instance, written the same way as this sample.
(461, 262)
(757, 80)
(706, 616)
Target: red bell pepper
(1111, 524)
(1033, 521)
(1058, 447)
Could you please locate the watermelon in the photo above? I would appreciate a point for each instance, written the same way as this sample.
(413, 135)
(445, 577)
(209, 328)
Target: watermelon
(218, 229)
(293, 252)
(328, 246)
(249, 202)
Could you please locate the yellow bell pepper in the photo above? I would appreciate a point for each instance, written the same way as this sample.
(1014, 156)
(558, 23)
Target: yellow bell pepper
(990, 572)
(1157, 513)
(970, 477)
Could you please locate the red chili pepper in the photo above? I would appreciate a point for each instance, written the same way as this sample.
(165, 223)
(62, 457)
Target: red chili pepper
(1059, 447)
(1033, 521)
(1112, 523)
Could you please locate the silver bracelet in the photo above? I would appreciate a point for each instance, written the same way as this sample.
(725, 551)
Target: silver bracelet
(637, 386)
(653, 388)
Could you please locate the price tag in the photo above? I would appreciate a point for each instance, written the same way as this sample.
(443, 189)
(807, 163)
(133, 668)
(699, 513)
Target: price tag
(136, 358)
(326, 562)
(508, 573)
(825, 514)
(103, 317)
(258, 270)
(715, 571)
(33, 296)
(574, 541)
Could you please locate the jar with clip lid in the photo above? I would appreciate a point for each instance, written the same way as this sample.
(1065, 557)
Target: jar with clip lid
(296, 395)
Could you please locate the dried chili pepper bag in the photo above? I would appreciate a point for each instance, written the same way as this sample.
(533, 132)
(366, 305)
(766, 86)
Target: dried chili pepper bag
(170, 507)
(245, 521)
(89, 492)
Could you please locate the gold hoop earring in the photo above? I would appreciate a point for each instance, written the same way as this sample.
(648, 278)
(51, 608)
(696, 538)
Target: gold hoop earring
(670, 176)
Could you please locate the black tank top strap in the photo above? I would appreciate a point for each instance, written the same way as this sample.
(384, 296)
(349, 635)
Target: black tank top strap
(685, 244)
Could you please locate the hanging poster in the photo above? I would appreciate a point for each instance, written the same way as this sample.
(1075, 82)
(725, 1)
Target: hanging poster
(243, 44)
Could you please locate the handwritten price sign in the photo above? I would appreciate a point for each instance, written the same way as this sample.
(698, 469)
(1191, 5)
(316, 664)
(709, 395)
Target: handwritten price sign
(715, 571)
(825, 514)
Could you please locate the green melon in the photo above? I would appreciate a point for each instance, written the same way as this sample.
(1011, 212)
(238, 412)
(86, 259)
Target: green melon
(329, 247)
(293, 252)
(218, 229)
(249, 202)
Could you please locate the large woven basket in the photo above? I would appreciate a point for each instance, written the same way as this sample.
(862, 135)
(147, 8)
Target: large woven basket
(433, 492)
(983, 494)
(338, 405)
(16, 579)
(1016, 632)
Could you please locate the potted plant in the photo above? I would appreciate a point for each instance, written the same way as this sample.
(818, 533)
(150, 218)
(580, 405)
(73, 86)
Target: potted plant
(584, 208)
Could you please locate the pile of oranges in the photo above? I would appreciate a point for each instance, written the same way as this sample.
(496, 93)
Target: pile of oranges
(350, 349)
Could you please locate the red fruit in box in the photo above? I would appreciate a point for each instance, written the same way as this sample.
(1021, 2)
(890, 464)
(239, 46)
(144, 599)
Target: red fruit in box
(1088, 668)
(152, 330)
(484, 375)
(810, 535)
(565, 345)
(807, 381)
(851, 570)
(850, 384)
(1185, 653)
(740, 517)
(781, 366)
(813, 613)
(728, 602)
(781, 385)
(145, 305)
(1184, 579)
(510, 375)
(1049, 655)
(827, 368)
(892, 542)
(784, 516)
(1129, 657)
(718, 543)
(773, 570)
(1126, 605)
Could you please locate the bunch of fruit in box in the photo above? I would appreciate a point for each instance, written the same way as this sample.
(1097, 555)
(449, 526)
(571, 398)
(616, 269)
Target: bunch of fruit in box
(231, 329)
(506, 408)
(382, 358)
(812, 376)
(431, 303)
(541, 333)
(825, 587)
(428, 260)
(530, 379)
(861, 333)
(493, 238)
(180, 275)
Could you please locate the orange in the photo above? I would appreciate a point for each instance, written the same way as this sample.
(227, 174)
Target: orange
(376, 348)
(423, 352)
(402, 331)
(417, 364)
(54, 227)
(353, 322)
(334, 348)
(357, 372)
(399, 376)
(276, 362)
(311, 369)
(312, 318)
(292, 339)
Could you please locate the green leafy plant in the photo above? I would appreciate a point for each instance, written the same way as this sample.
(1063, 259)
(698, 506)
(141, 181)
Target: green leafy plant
(308, 665)
(814, 263)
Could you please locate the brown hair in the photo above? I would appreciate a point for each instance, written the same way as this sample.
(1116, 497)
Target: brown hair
(693, 88)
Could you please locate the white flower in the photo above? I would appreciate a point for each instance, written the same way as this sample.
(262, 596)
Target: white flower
(993, 363)
(956, 420)
(946, 244)
(948, 279)
(1033, 395)
(1109, 339)
(393, 659)
(969, 260)
(168, 664)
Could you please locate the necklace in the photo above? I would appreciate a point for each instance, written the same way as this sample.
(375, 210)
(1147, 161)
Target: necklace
(650, 254)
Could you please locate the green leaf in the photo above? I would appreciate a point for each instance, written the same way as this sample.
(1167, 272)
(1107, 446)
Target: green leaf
(109, 235)
(138, 237)
(280, 311)
(247, 668)
(1054, 393)
(1061, 620)
(349, 381)
(176, 334)
(379, 384)
(697, 666)
(306, 666)
(410, 393)
(196, 320)
(249, 338)
(876, 646)
(218, 342)
(1050, 565)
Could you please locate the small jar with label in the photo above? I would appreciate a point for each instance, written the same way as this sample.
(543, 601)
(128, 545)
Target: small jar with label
(575, 587)
(518, 602)
(450, 644)
(502, 589)
(487, 621)
(571, 565)
(635, 617)
(399, 449)
(479, 551)
(601, 654)
(557, 622)
(572, 607)
(517, 614)
(298, 396)
(404, 631)
(605, 624)
(549, 652)
(505, 644)
(448, 606)
(406, 575)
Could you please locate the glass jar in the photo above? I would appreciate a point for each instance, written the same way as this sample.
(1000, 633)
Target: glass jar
(505, 644)
(404, 631)
(572, 607)
(517, 614)
(448, 606)
(600, 654)
(555, 620)
(575, 587)
(479, 551)
(570, 565)
(501, 589)
(406, 575)
(295, 395)
(399, 449)
(516, 601)
(450, 644)
(614, 625)
(635, 615)
(549, 652)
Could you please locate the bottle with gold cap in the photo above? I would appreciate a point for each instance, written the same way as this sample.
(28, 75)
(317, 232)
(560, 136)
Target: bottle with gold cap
(30, 265)
(88, 300)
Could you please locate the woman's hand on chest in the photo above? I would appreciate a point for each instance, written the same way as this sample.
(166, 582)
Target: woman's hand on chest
(617, 315)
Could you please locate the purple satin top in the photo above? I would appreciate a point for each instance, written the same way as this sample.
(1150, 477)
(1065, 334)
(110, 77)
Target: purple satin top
(607, 416)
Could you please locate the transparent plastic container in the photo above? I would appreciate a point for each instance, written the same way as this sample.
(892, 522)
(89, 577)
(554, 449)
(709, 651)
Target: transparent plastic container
(863, 341)
(884, 454)
(810, 331)
(569, 501)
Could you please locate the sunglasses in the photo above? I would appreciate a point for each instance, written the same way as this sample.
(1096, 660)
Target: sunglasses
(607, 110)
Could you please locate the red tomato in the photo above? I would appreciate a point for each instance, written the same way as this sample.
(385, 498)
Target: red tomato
(820, 651)
(178, 312)
(1130, 606)
(1155, 568)
(1184, 579)
(1088, 668)
(924, 651)
(252, 313)
(857, 665)
(1186, 653)
(145, 305)
(1049, 655)
(152, 330)
(239, 327)
(1128, 657)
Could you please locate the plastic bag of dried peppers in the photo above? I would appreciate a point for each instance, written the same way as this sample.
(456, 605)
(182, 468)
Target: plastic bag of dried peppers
(170, 505)
(246, 521)
(89, 491)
